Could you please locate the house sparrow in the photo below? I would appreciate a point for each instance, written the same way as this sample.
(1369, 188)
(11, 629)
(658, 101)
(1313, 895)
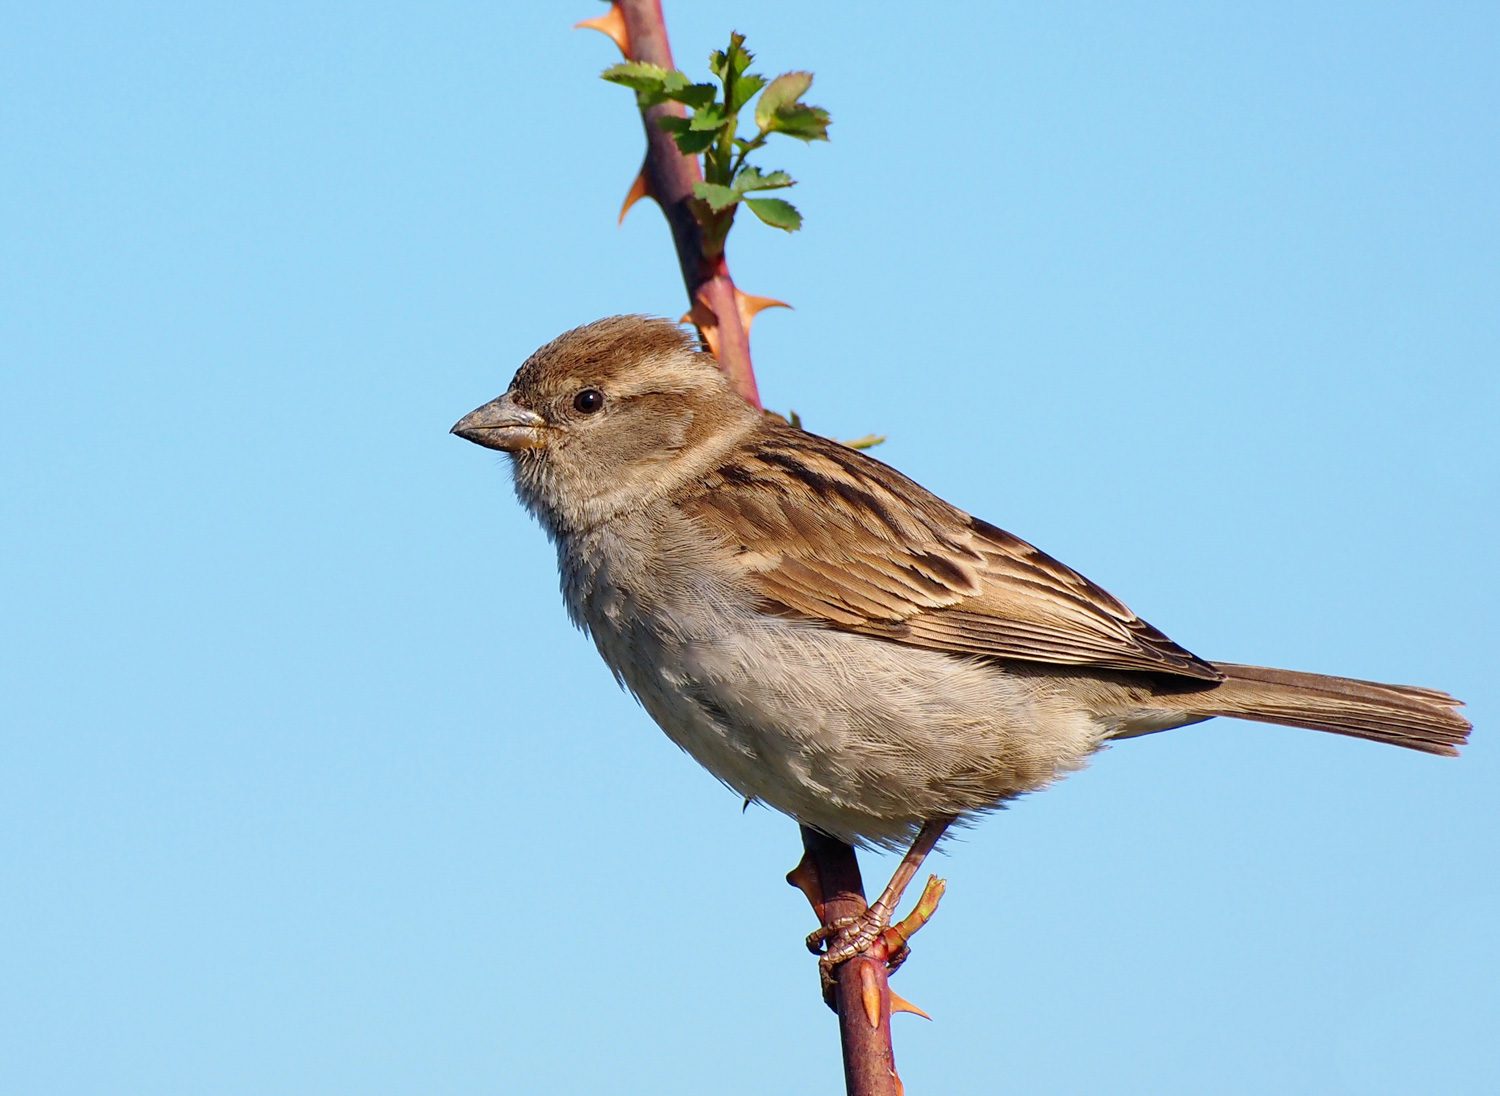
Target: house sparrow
(828, 637)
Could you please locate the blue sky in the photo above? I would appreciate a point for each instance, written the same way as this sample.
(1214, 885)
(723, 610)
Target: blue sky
(309, 787)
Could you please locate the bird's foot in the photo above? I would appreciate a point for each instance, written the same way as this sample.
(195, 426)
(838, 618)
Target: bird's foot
(873, 932)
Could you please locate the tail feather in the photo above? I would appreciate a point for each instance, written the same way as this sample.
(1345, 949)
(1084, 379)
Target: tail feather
(1402, 715)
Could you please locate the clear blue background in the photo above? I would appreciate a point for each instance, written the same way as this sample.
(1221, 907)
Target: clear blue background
(307, 786)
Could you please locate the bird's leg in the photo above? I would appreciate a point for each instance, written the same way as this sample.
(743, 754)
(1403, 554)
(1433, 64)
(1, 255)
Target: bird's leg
(849, 937)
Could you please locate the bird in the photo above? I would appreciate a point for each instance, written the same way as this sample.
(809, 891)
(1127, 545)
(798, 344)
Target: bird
(828, 637)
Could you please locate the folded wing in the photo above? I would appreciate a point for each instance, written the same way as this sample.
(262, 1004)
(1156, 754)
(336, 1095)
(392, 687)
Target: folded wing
(832, 536)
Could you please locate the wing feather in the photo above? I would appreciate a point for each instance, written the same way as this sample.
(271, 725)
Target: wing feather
(831, 535)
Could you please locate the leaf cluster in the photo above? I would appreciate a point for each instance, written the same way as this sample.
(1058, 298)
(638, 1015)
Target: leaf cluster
(709, 128)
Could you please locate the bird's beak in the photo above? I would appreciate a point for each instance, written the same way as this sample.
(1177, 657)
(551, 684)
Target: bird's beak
(502, 424)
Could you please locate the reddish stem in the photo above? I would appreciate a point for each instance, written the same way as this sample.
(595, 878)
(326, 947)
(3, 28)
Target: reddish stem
(670, 175)
(861, 992)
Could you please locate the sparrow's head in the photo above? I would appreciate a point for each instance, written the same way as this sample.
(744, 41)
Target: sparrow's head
(609, 416)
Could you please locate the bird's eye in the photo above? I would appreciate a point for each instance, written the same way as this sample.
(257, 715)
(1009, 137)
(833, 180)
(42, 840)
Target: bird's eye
(588, 401)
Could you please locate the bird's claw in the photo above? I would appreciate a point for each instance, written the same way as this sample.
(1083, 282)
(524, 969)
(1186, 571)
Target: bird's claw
(843, 939)
(849, 936)
(818, 940)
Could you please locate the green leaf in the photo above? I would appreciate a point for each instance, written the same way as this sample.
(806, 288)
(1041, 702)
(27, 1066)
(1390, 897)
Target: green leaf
(730, 64)
(677, 87)
(635, 73)
(691, 144)
(781, 110)
(776, 213)
(802, 122)
(710, 117)
(689, 141)
(719, 198)
(648, 80)
(746, 86)
(641, 75)
(708, 128)
(781, 92)
(751, 178)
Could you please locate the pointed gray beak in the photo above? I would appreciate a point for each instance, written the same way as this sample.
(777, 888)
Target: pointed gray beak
(502, 424)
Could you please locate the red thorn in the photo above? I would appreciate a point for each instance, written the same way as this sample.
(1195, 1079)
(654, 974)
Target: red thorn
(612, 25)
(901, 1004)
(638, 189)
(869, 992)
(750, 306)
(706, 321)
(805, 878)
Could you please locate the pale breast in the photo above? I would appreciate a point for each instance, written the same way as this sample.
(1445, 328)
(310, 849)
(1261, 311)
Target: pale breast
(857, 736)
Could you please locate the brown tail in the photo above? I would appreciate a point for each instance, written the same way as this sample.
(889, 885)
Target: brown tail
(1403, 715)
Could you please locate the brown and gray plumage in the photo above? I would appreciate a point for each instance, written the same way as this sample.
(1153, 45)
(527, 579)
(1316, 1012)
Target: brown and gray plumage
(830, 638)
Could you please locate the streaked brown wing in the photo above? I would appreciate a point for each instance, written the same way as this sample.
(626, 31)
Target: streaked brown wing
(880, 555)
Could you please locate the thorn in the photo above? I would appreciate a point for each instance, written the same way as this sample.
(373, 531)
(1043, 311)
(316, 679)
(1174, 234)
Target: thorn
(750, 306)
(703, 318)
(901, 1004)
(805, 878)
(869, 992)
(638, 189)
(612, 25)
(711, 336)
